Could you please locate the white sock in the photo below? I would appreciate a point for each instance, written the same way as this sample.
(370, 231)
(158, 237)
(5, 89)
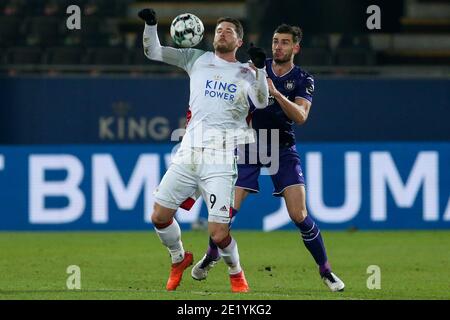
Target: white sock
(230, 255)
(171, 237)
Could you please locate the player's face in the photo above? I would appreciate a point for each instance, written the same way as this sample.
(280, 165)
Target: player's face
(283, 47)
(226, 39)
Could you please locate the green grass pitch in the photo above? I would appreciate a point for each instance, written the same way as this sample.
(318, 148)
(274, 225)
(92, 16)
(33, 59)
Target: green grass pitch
(134, 265)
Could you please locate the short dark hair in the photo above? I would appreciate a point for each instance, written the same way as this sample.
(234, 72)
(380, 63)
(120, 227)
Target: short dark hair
(237, 25)
(296, 32)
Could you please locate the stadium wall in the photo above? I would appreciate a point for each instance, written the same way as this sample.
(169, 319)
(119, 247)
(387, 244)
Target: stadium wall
(80, 110)
(85, 153)
(109, 187)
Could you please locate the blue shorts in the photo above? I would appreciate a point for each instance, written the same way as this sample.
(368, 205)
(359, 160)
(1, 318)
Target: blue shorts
(289, 172)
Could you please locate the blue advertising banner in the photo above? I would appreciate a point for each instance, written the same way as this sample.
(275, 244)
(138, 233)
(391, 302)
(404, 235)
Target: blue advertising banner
(81, 110)
(349, 185)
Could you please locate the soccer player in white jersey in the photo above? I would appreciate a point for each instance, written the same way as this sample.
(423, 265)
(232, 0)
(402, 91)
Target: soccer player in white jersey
(220, 87)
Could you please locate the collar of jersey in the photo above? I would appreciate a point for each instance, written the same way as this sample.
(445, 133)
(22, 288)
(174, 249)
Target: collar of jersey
(283, 75)
(222, 60)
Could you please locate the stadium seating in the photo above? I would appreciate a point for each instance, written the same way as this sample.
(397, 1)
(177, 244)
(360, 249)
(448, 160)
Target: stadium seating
(353, 57)
(137, 57)
(24, 55)
(314, 57)
(354, 50)
(64, 55)
(9, 29)
(315, 51)
(36, 31)
(46, 30)
(105, 56)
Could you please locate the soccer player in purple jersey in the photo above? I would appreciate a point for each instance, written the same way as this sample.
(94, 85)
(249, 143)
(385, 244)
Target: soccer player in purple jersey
(291, 91)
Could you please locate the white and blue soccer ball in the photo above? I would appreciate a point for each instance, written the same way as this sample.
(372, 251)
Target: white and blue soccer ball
(187, 30)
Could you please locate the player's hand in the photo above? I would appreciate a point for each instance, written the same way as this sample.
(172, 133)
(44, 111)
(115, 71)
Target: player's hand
(257, 55)
(272, 90)
(149, 16)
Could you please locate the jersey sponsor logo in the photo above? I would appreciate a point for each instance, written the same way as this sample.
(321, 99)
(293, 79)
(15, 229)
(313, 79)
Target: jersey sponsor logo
(310, 86)
(289, 84)
(220, 89)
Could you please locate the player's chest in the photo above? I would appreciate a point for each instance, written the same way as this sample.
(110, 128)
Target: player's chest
(285, 86)
(220, 80)
(285, 89)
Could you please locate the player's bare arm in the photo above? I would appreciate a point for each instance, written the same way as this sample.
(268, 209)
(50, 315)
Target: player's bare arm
(297, 111)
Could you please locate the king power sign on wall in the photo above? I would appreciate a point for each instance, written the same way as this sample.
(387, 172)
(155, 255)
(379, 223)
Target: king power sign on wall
(361, 185)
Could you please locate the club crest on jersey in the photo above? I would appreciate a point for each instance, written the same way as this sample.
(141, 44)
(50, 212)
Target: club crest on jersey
(289, 84)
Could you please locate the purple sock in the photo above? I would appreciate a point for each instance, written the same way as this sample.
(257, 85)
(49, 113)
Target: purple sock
(314, 243)
(213, 251)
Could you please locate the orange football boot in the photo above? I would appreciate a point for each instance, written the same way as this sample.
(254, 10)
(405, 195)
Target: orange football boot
(238, 282)
(176, 271)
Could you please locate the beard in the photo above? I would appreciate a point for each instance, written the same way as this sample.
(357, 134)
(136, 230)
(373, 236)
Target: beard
(283, 59)
(223, 46)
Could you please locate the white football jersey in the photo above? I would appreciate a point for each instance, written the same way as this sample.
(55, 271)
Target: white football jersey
(219, 94)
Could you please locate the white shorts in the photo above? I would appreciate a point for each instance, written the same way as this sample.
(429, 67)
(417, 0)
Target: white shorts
(200, 169)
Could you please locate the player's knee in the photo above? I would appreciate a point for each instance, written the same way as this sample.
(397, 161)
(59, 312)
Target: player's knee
(299, 215)
(158, 218)
(219, 237)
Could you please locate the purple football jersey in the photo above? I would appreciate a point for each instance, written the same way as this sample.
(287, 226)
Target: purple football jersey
(295, 83)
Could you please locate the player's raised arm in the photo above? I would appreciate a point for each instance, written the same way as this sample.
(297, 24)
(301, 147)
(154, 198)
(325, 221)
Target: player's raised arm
(183, 58)
(259, 91)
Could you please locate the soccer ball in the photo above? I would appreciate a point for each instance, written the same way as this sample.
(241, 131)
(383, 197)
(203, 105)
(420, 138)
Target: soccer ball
(187, 30)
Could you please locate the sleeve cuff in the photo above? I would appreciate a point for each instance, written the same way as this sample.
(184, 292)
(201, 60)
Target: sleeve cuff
(149, 29)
